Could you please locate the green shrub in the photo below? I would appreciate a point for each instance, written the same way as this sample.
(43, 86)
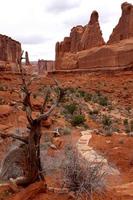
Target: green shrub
(88, 97)
(100, 99)
(66, 131)
(93, 112)
(71, 108)
(125, 122)
(82, 93)
(106, 121)
(78, 119)
(131, 125)
(103, 101)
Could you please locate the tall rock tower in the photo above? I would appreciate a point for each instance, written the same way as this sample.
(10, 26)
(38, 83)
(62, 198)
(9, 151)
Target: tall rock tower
(124, 28)
(92, 36)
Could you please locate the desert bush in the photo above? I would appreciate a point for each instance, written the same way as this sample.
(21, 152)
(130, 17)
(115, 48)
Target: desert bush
(67, 131)
(78, 119)
(103, 101)
(88, 97)
(93, 112)
(71, 108)
(128, 126)
(82, 93)
(81, 176)
(106, 121)
(100, 99)
(125, 122)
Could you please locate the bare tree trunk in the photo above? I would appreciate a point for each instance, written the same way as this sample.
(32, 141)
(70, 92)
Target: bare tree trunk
(33, 170)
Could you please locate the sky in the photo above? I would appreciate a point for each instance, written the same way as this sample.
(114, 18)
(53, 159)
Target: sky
(39, 24)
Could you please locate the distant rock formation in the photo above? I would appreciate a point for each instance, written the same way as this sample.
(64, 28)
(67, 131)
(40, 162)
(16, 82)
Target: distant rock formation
(45, 65)
(10, 51)
(81, 38)
(85, 47)
(124, 29)
(27, 61)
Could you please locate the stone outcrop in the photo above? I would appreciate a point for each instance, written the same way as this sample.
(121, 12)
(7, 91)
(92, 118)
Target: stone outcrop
(124, 29)
(27, 61)
(10, 51)
(86, 49)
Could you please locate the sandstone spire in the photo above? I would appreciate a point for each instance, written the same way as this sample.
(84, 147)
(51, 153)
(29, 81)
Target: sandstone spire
(92, 36)
(27, 61)
(124, 29)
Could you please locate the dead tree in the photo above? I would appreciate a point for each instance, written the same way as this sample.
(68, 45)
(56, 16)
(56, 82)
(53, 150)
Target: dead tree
(32, 141)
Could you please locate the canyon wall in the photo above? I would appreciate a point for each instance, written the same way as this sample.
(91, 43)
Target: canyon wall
(85, 47)
(10, 51)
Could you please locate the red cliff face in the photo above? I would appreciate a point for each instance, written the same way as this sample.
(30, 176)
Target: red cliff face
(124, 29)
(86, 48)
(10, 50)
(92, 36)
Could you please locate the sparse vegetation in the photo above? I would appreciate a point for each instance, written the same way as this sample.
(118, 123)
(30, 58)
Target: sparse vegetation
(78, 120)
(128, 126)
(81, 176)
(67, 131)
(71, 108)
(107, 122)
(93, 112)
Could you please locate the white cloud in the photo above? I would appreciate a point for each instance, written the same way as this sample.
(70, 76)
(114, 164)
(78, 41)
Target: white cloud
(38, 24)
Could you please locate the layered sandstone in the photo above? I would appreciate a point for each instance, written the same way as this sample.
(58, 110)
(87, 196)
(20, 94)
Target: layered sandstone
(87, 49)
(76, 35)
(124, 29)
(10, 51)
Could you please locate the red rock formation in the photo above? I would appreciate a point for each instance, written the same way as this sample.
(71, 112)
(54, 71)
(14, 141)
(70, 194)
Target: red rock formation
(80, 38)
(92, 36)
(10, 51)
(88, 50)
(76, 35)
(27, 61)
(124, 29)
(45, 65)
